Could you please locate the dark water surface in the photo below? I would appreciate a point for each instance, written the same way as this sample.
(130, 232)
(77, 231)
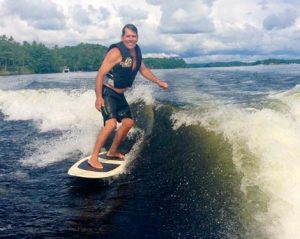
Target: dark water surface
(199, 166)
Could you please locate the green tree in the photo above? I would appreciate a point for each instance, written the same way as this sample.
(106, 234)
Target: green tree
(162, 63)
(37, 58)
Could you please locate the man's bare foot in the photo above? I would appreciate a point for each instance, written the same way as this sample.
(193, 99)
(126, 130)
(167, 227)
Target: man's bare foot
(94, 162)
(115, 155)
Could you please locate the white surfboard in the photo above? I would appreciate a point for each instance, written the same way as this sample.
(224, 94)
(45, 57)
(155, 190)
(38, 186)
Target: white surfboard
(111, 167)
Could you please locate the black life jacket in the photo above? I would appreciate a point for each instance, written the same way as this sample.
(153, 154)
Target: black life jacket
(122, 73)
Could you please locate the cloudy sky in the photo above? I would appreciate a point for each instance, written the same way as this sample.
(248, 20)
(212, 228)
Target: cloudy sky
(197, 30)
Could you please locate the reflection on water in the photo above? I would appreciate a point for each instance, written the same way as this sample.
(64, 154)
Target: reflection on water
(97, 202)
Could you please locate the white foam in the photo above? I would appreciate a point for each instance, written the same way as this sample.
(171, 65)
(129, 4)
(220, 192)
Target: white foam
(266, 150)
(291, 99)
(71, 114)
(141, 92)
(50, 109)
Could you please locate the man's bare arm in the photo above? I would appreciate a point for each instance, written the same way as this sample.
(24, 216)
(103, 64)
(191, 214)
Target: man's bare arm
(147, 73)
(112, 58)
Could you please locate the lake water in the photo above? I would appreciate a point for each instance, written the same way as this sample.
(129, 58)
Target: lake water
(215, 156)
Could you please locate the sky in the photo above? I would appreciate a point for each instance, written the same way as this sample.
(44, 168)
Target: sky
(196, 30)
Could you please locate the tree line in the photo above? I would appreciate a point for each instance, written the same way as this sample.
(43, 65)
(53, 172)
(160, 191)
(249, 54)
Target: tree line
(26, 58)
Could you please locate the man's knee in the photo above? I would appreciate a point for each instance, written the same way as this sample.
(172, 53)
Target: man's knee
(111, 124)
(128, 123)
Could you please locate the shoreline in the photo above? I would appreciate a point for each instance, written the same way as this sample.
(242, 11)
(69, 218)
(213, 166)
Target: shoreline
(191, 65)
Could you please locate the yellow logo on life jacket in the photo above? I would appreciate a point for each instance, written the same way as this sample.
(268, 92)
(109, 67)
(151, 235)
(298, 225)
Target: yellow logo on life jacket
(127, 62)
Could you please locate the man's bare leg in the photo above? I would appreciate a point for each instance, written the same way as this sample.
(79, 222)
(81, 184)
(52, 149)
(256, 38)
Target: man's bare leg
(109, 127)
(127, 124)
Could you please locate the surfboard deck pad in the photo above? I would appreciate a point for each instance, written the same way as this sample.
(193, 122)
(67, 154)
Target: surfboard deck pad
(111, 167)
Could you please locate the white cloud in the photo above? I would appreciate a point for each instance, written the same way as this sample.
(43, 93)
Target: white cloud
(159, 55)
(185, 17)
(194, 29)
(283, 19)
(180, 15)
(130, 14)
(81, 15)
(41, 14)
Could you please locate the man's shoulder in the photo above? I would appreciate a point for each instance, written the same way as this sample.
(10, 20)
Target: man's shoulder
(114, 55)
(114, 52)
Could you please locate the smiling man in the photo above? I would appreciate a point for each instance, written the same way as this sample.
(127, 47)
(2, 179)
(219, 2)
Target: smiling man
(116, 74)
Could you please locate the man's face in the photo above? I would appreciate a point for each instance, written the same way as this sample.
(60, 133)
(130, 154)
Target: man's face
(129, 39)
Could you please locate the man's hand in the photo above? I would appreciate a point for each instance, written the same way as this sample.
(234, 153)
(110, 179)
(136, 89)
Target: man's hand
(163, 85)
(99, 103)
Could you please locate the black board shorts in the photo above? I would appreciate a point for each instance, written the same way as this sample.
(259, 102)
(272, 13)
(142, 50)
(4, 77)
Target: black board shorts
(116, 105)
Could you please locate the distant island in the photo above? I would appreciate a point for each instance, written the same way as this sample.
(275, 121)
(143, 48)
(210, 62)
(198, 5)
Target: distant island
(31, 58)
(239, 63)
